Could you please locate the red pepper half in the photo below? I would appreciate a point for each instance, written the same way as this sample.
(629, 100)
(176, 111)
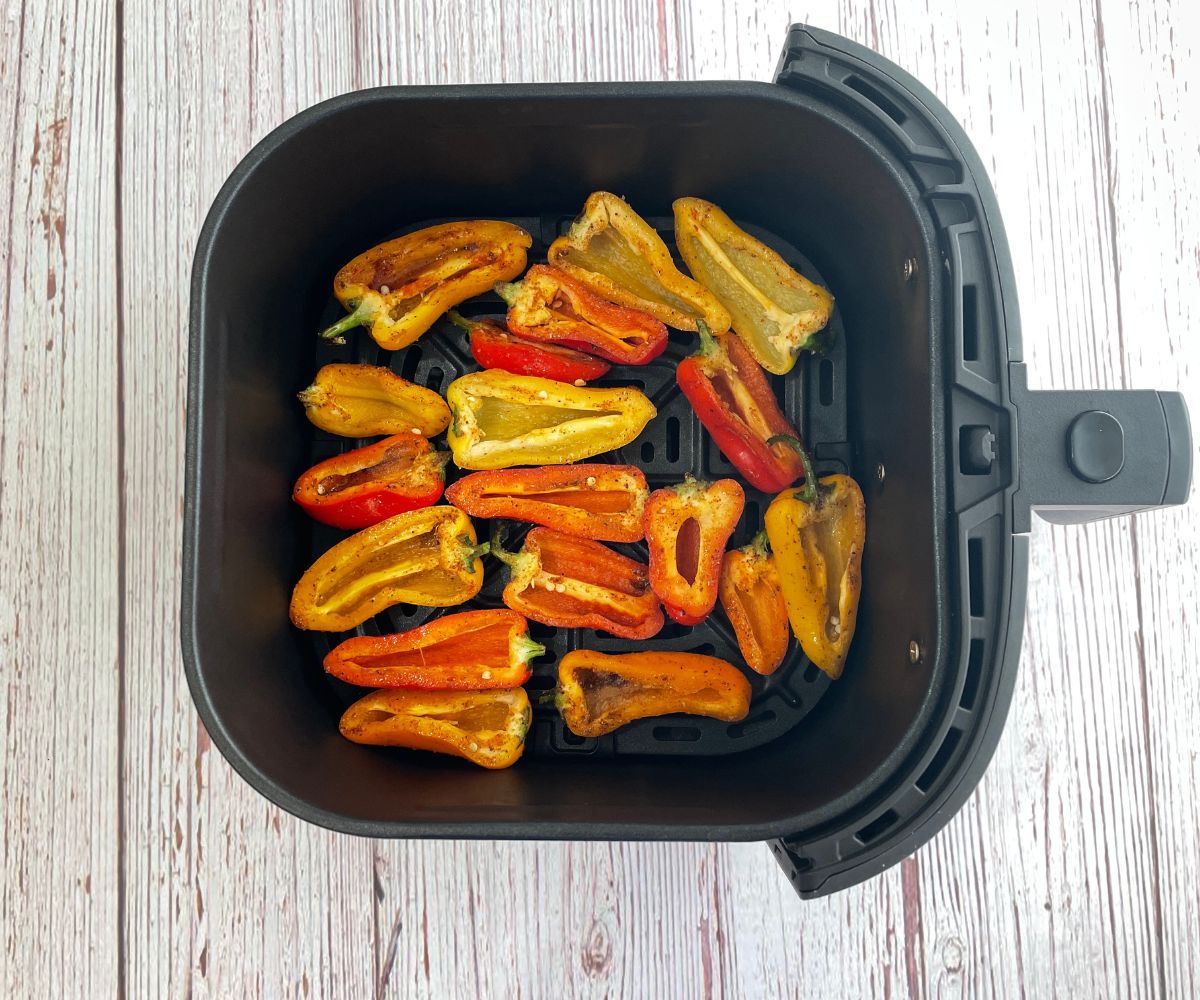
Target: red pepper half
(550, 306)
(469, 651)
(495, 347)
(362, 487)
(733, 399)
(577, 583)
(687, 527)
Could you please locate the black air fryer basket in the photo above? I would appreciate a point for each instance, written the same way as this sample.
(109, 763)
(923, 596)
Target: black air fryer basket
(862, 180)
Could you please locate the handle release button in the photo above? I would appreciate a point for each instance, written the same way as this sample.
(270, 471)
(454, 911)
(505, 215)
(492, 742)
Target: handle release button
(1096, 446)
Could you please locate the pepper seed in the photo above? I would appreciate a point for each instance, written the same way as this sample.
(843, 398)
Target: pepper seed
(591, 480)
(416, 430)
(383, 289)
(486, 675)
(542, 394)
(474, 745)
(580, 383)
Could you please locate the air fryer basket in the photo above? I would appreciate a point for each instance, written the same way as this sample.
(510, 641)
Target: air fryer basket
(854, 172)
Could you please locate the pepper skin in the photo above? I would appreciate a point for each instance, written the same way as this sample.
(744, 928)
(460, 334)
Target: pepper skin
(367, 485)
(817, 535)
(753, 601)
(493, 346)
(399, 288)
(469, 651)
(619, 256)
(427, 557)
(598, 693)
(775, 310)
(549, 305)
(486, 727)
(577, 583)
(687, 527)
(366, 400)
(604, 502)
(734, 401)
(501, 420)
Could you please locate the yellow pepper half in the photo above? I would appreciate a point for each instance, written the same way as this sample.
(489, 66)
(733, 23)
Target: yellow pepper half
(366, 400)
(817, 534)
(775, 310)
(617, 254)
(500, 420)
(427, 557)
(399, 288)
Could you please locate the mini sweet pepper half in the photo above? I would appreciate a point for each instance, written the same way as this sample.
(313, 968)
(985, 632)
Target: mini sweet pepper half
(469, 651)
(576, 583)
(598, 693)
(495, 347)
(549, 305)
(619, 256)
(589, 500)
(775, 309)
(500, 420)
(427, 557)
(364, 486)
(687, 527)
(485, 727)
(752, 597)
(366, 400)
(817, 534)
(733, 399)
(399, 288)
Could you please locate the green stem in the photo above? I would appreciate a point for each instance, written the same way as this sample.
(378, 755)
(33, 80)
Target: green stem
(458, 319)
(809, 493)
(527, 648)
(507, 290)
(760, 544)
(708, 343)
(473, 552)
(498, 550)
(348, 322)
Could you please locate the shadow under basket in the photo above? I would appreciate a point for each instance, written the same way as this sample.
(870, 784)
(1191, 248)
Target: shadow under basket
(863, 181)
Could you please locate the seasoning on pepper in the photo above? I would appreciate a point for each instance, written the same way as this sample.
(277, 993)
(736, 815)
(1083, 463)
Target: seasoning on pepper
(619, 256)
(366, 400)
(598, 693)
(495, 347)
(549, 305)
(486, 727)
(687, 527)
(399, 288)
(774, 309)
(364, 486)
(733, 399)
(500, 420)
(576, 583)
(817, 534)
(605, 502)
(427, 557)
(753, 602)
(469, 651)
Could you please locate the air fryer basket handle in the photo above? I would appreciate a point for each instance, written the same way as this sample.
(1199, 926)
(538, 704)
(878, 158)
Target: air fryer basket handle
(1095, 454)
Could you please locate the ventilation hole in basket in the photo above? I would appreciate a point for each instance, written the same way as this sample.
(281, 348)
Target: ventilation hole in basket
(883, 103)
(704, 649)
(940, 760)
(676, 734)
(975, 576)
(876, 827)
(811, 673)
(672, 439)
(433, 379)
(974, 669)
(647, 451)
(746, 726)
(750, 514)
(825, 382)
(539, 683)
(412, 358)
(571, 740)
(673, 630)
(970, 323)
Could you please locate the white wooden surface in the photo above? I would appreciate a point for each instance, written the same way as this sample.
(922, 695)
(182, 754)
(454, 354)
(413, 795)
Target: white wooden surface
(133, 861)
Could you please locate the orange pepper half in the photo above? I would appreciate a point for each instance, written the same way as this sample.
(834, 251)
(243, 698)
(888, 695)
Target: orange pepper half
(753, 601)
(486, 727)
(599, 693)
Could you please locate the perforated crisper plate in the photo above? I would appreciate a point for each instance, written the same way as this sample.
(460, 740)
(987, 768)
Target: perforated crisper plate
(674, 443)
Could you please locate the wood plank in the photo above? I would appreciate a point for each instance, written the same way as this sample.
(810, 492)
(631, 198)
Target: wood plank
(59, 613)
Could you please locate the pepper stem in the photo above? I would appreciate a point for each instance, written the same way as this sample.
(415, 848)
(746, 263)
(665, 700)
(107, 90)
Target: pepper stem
(459, 320)
(498, 550)
(708, 343)
(473, 552)
(760, 544)
(348, 322)
(809, 493)
(527, 648)
(507, 290)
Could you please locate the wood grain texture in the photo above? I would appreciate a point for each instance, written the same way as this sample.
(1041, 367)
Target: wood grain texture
(136, 862)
